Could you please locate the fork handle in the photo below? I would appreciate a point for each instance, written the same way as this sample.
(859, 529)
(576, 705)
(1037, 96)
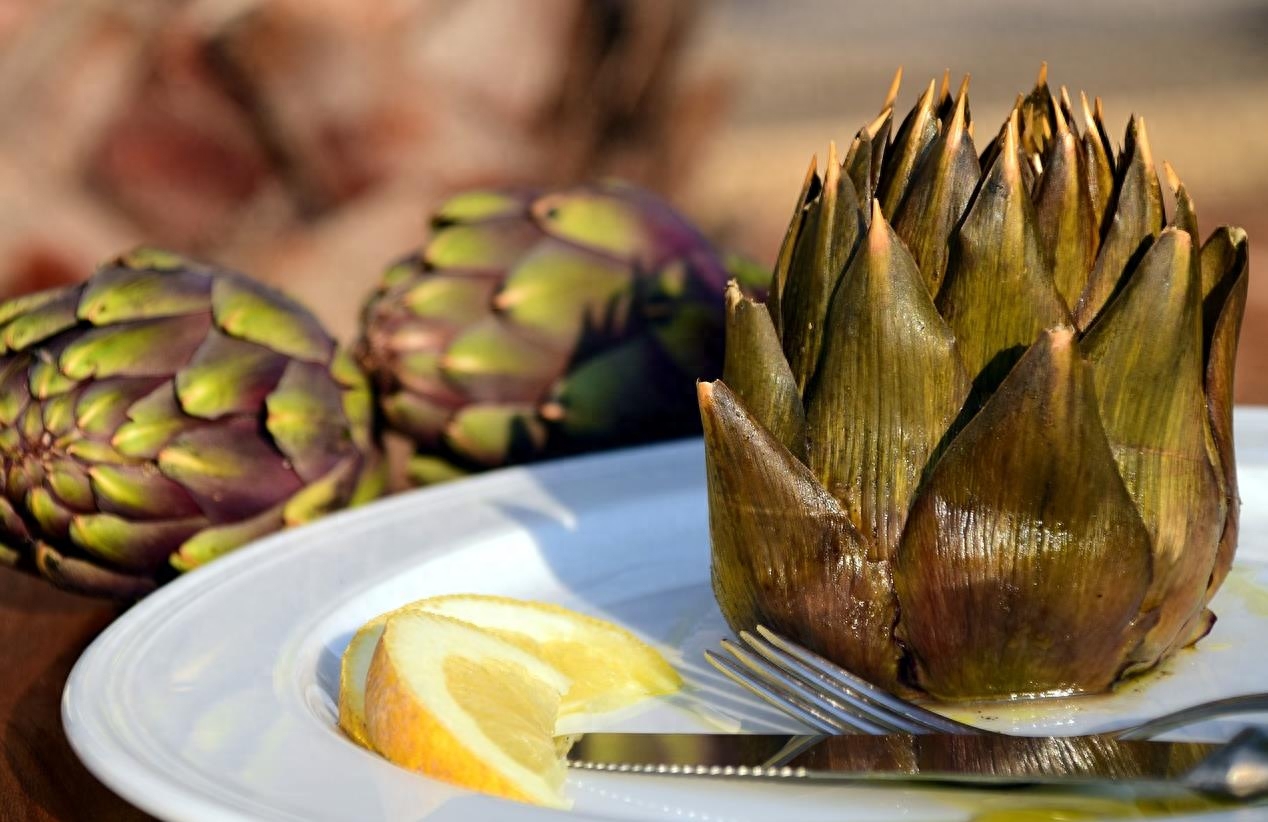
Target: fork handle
(1246, 703)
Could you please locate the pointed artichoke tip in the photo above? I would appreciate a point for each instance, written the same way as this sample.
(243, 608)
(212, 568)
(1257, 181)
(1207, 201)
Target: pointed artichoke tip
(959, 117)
(894, 85)
(1043, 74)
(1179, 237)
(704, 393)
(878, 229)
(1089, 119)
(1063, 128)
(1060, 337)
(1173, 179)
(926, 99)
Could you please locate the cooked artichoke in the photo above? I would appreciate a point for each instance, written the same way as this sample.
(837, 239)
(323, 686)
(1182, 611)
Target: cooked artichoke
(163, 413)
(978, 443)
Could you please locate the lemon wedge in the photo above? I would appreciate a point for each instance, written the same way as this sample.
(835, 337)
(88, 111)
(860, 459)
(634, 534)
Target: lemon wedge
(457, 703)
(610, 667)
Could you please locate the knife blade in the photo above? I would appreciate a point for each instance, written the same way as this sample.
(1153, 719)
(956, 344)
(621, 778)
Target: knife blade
(984, 760)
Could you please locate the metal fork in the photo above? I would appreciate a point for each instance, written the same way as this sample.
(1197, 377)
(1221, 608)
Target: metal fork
(832, 700)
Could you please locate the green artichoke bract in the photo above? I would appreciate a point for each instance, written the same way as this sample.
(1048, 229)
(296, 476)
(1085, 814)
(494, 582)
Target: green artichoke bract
(534, 324)
(161, 414)
(978, 443)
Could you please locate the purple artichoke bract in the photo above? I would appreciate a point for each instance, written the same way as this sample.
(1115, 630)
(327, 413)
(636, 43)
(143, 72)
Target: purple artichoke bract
(163, 413)
(539, 323)
(978, 442)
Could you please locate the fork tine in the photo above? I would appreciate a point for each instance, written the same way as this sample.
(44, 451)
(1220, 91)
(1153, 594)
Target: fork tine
(778, 700)
(844, 699)
(791, 685)
(837, 679)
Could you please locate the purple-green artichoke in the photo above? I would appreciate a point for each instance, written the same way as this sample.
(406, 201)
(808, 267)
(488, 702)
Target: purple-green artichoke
(163, 413)
(534, 324)
(978, 443)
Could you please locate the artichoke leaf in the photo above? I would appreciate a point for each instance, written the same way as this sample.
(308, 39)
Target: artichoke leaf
(866, 154)
(1064, 213)
(818, 263)
(784, 553)
(305, 418)
(428, 469)
(229, 468)
(75, 574)
(999, 293)
(494, 360)
(132, 546)
(104, 405)
(890, 385)
(492, 434)
(1147, 353)
(917, 132)
(323, 495)
(601, 221)
(557, 291)
(1019, 573)
(117, 294)
(140, 492)
(1098, 161)
(45, 318)
(26, 303)
(810, 188)
(255, 313)
(53, 517)
(455, 299)
(1226, 300)
(474, 206)
(1186, 216)
(210, 543)
(70, 482)
(228, 376)
(59, 413)
(476, 248)
(372, 480)
(45, 379)
(1135, 222)
(940, 191)
(419, 418)
(152, 421)
(15, 391)
(755, 369)
(146, 348)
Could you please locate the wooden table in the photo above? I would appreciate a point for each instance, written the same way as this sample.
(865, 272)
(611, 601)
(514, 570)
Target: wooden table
(42, 633)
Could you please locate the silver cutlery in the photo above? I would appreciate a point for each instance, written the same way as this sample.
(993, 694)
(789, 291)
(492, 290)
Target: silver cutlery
(831, 700)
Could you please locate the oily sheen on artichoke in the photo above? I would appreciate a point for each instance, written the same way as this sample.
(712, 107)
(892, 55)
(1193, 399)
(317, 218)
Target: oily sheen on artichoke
(163, 413)
(978, 442)
(539, 323)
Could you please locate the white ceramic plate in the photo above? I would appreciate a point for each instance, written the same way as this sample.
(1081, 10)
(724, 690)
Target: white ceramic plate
(213, 699)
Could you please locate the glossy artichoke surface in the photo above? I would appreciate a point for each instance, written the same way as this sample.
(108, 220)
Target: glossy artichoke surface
(540, 323)
(978, 441)
(163, 413)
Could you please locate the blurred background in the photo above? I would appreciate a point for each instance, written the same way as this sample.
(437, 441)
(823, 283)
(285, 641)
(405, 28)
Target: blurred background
(305, 141)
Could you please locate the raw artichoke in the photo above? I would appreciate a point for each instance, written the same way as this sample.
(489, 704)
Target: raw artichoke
(536, 324)
(163, 413)
(978, 443)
